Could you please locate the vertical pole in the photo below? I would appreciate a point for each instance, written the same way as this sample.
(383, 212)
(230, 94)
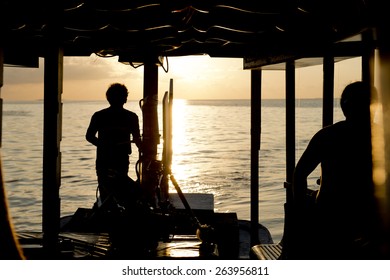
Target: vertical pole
(290, 120)
(51, 147)
(290, 153)
(151, 137)
(149, 109)
(255, 148)
(368, 57)
(328, 90)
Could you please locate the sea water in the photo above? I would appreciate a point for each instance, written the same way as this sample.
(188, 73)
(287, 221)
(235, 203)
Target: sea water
(211, 154)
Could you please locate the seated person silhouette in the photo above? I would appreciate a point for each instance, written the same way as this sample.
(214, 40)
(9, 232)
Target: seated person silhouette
(343, 223)
(110, 130)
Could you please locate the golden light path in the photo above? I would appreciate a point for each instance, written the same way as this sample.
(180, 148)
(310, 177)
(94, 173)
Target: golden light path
(179, 136)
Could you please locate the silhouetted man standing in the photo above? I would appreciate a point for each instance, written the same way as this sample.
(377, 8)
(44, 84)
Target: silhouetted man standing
(110, 131)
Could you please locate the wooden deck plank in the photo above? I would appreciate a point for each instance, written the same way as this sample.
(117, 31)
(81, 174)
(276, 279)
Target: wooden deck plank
(98, 246)
(267, 251)
(72, 245)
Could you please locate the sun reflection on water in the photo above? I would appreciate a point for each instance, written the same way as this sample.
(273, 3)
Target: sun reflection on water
(179, 125)
(179, 137)
(188, 159)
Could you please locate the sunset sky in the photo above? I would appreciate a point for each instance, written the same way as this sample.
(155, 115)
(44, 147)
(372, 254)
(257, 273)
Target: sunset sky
(195, 77)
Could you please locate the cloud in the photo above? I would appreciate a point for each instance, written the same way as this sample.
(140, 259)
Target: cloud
(94, 68)
(18, 75)
(84, 78)
(195, 77)
(75, 68)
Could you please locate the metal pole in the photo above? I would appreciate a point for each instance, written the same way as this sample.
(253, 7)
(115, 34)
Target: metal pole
(255, 148)
(51, 148)
(290, 120)
(368, 57)
(328, 90)
(150, 137)
(150, 121)
(290, 152)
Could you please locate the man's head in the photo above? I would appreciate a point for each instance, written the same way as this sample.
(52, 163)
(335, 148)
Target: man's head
(117, 94)
(355, 101)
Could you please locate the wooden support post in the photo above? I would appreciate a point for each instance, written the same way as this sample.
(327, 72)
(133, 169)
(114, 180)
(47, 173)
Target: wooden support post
(151, 136)
(290, 120)
(328, 90)
(51, 148)
(368, 57)
(290, 153)
(255, 148)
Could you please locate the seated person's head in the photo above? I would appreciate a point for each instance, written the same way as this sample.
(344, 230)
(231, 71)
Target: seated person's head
(117, 94)
(355, 101)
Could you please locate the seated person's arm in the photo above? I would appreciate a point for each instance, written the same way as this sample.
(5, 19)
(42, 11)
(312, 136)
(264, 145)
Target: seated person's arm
(306, 164)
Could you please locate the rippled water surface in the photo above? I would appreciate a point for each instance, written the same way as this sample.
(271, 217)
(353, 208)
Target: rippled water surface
(211, 155)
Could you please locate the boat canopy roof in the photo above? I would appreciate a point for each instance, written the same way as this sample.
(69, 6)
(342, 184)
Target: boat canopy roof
(139, 30)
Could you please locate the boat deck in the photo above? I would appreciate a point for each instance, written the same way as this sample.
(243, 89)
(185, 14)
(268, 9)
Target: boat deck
(71, 245)
(84, 235)
(98, 246)
(84, 245)
(267, 251)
